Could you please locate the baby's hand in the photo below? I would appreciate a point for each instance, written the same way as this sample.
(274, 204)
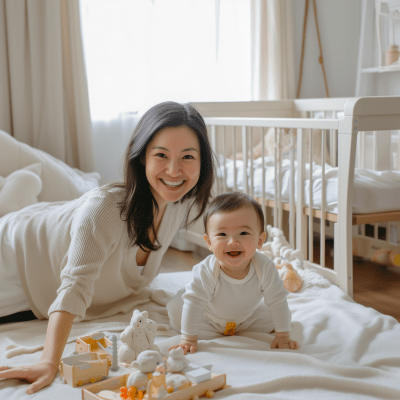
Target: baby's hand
(187, 345)
(282, 341)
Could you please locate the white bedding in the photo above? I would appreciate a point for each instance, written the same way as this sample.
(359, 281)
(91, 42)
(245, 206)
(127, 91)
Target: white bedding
(347, 351)
(374, 191)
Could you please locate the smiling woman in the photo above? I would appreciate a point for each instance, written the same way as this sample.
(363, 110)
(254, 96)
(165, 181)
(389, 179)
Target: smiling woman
(95, 240)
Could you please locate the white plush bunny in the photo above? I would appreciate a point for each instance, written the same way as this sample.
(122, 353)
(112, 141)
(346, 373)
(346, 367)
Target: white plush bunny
(137, 337)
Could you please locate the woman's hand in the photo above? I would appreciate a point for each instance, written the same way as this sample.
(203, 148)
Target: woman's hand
(39, 375)
(187, 345)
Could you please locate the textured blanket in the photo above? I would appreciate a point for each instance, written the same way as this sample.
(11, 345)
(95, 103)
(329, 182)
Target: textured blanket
(347, 351)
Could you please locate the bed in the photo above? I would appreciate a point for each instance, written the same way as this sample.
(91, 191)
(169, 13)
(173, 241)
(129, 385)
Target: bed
(347, 351)
(349, 193)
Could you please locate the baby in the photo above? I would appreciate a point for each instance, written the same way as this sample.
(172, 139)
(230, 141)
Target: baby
(226, 292)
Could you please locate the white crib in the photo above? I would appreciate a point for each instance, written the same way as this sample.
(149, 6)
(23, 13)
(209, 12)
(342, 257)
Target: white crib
(346, 127)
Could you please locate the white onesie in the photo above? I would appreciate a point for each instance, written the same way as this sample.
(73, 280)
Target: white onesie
(224, 300)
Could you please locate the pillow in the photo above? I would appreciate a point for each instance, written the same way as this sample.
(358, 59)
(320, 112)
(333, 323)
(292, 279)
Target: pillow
(20, 189)
(60, 181)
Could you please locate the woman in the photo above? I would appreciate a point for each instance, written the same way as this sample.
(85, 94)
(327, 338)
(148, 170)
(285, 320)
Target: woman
(103, 248)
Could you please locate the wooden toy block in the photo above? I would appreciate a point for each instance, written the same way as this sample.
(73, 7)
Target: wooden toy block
(198, 375)
(83, 368)
(86, 344)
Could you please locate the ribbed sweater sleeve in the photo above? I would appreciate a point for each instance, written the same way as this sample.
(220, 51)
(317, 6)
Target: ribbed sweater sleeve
(198, 294)
(95, 229)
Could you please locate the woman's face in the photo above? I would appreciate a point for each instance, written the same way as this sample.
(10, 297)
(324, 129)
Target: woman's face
(172, 163)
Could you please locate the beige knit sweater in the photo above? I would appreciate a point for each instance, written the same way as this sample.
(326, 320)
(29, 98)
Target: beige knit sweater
(74, 256)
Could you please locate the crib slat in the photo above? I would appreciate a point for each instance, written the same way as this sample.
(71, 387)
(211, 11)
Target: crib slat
(263, 175)
(214, 146)
(374, 146)
(280, 210)
(310, 195)
(234, 160)
(301, 219)
(251, 163)
(398, 150)
(276, 177)
(245, 159)
(292, 211)
(225, 157)
(323, 188)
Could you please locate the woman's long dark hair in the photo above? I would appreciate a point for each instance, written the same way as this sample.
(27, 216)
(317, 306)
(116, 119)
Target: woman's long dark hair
(138, 203)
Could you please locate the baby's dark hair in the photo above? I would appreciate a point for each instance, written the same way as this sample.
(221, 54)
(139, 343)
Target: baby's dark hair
(232, 201)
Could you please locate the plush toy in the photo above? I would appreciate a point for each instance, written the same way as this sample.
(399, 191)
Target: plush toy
(147, 362)
(176, 361)
(283, 256)
(137, 337)
(19, 189)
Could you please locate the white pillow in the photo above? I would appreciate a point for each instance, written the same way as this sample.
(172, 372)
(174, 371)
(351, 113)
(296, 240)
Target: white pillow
(60, 181)
(20, 189)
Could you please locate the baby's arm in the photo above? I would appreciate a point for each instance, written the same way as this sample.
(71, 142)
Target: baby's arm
(198, 293)
(282, 341)
(275, 297)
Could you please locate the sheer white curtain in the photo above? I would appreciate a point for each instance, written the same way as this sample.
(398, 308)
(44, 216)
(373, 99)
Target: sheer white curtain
(43, 90)
(142, 52)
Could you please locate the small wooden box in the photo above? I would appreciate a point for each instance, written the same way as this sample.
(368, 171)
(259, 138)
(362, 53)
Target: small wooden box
(83, 368)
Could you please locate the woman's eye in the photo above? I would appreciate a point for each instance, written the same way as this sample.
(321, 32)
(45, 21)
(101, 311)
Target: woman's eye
(189, 157)
(162, 155)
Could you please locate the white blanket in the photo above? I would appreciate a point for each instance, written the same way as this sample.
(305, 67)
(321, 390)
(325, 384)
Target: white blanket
(347, 351)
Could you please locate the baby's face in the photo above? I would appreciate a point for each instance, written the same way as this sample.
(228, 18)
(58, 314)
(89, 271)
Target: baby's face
(234, 237)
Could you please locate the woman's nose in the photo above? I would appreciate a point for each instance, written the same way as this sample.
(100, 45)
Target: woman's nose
(173, 168)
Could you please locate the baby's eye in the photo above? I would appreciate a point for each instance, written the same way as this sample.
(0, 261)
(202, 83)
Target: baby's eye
(244, 233)
(221, 234)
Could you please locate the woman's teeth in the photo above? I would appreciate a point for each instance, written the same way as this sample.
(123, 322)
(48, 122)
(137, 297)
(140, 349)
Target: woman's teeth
(172, 184)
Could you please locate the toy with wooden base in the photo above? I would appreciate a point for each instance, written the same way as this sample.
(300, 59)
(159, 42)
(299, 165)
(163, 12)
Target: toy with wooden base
(83, 368)
(102, 390)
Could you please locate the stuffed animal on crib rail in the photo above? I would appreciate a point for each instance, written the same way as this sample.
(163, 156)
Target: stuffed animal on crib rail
(283, 256)
(137, 337)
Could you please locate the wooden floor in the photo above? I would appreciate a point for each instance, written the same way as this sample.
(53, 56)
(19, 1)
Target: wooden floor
(375, 285)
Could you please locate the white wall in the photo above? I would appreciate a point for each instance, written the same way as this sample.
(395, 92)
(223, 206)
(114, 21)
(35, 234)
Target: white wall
(339, 25)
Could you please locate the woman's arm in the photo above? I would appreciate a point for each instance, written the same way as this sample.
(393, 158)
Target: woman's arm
(43, 373)
(58, 330)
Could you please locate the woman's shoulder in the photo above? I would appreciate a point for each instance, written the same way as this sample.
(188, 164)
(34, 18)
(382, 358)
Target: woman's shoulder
(100, 203)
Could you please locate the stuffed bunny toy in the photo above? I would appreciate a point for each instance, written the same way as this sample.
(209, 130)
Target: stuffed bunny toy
(137, 337)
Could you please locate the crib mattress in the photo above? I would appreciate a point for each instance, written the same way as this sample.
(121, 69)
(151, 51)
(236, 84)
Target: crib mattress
(373, 191)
